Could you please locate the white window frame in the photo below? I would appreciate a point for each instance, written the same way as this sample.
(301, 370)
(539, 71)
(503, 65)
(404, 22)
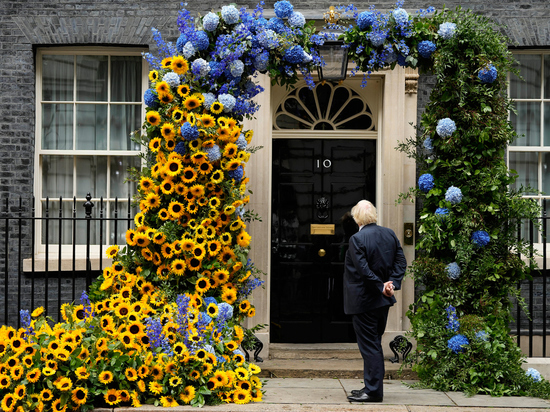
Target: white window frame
(67, 250)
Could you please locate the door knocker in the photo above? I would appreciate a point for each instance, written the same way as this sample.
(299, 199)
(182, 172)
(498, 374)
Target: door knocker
(322, 208)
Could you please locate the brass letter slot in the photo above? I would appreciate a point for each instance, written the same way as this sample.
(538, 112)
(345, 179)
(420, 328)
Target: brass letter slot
(322, 229)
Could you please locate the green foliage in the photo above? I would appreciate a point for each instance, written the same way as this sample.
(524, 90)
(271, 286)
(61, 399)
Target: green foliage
(471, 159)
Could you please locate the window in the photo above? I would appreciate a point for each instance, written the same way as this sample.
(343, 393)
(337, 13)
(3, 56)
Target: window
(529, 155)
(89, 102)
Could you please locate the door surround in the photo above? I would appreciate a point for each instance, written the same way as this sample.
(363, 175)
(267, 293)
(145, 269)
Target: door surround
(396, 173)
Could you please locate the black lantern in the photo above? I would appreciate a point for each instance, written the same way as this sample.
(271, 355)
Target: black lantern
(333, 54)
(336, 61)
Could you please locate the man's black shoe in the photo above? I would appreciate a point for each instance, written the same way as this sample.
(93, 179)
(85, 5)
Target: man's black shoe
(356, 392)
(363, 397)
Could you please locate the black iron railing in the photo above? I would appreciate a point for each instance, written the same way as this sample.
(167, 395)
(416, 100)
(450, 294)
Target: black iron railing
(50, 259)
(36, 271)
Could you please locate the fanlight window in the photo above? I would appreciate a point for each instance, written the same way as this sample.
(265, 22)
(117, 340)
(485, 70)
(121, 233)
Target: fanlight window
(327, 107)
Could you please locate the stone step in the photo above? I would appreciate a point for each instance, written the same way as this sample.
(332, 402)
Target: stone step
(328, 368)
(314, 351)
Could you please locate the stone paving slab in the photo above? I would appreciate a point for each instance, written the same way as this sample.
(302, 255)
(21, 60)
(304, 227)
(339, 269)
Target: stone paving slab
(491, 401)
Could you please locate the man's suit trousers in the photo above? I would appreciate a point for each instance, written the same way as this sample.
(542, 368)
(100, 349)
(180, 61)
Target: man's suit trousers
(369, 328)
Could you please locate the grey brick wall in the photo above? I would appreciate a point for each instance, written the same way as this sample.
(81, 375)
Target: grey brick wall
(26, 25)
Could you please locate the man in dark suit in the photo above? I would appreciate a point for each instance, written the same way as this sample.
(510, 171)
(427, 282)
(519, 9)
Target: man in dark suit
(374, 267)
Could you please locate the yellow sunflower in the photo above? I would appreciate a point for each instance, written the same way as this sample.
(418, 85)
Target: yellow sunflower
(183, 90)
(153, 76)
(216, 107)
(241, 396)
(188, 393)
(166, 63)
(202, 285)
(176, 209)
(243, 239)
(168, 131)
(189, 175)
(208, 121)
(191, 102)
(178, 116)
(153, 117)
(179, 65)
(162, 87)
(112, 397)
(178, 267)
(106, 377)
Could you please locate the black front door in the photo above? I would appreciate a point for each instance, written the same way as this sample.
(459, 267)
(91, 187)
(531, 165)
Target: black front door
(315, 183)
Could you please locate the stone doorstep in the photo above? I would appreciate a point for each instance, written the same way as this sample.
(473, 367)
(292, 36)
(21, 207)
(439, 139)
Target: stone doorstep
(330, 368)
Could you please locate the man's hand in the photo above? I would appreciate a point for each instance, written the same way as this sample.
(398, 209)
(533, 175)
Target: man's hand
(388, 289)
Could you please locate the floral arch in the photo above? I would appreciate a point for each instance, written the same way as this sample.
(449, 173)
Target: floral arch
(162, 325)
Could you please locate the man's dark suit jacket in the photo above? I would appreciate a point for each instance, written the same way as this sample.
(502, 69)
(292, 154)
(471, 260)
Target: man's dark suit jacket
(374, 257)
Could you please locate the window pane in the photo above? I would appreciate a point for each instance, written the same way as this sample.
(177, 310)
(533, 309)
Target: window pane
(526, 164)
(546, 107)
(119, 172)
(547, 76)
(526, 123)
(57, 126)
(125, 119)
(91, 127)
(57, 176)
(51, 226)
(126, 78)
(91, 176)
(57, 78)
(530, 86)
(91, 78)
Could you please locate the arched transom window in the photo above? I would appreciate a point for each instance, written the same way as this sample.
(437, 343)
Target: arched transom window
(327, 107)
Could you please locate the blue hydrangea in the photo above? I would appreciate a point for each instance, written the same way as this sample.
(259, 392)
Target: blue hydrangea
(441, 212)
(402, 60)
(533, 374)
(445, 127)
(241, 142)
(225, 311)
(180, 148)
(188, 50)
(294, 54)
(481, 238)
(428, 144)
(283, 9)
(182, 39)
(151, 99)
(447, 30)
(230, 14)
(488, 74)
(209, 98)
(453, 271)
(307, 58)
(213, 153)
(365, 19)
(400, 15)
(228, 102)
(453, 195)
(297, 19)
(173, 79)
(210, 21)
(452, 320)
(457, 343)
(377, 37)
(236, 174)
(276, 24)
(200, 67)
(208, 300)
(482, 335)
(261, 61)
(200, 40)
(426, 48)
(189, 132)
(391, 56)
(268, 39)
(426, 182)
(236, 67)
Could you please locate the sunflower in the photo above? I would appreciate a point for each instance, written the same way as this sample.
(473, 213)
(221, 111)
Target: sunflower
(178, 116)
(143, 371)
(183, 90)
(226, 238)
(127, 339)
(241, 396)
(153, 76)
(199, 157)
(167, 186)
(189, 175)
(216, 107)
(178, 267)
(221, 276)
(168, 131)
(229, 296)
(152, 200)
(244, 306)
(191, 102)
(112, 397)
(212, 310)
(195, 144)
(166, 98)
(131, 374)
(179, 65)
(155, 388)
(191, 119)
(37, 312)
(5, 381)
(236, 225)
(207, 121)
(188, 393)
(197, 190)
(168, 401)
(192, 208)
(156, 372)
(163, 214)
(122, 310)
(224, 133)
(17, 372)
(167, 251)
(56, 406)
(202, 285)
(176, 209)
(243, 239)
(106, 377)
(20, 391)
(230, 150)
(188, 245)
(153, 117)
(199, 252)
(205, 168)
(193, 264)
(217, 176)
(166, 63)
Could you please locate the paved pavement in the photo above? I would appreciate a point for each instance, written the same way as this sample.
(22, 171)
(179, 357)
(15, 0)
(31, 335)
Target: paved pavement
(324, 395)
